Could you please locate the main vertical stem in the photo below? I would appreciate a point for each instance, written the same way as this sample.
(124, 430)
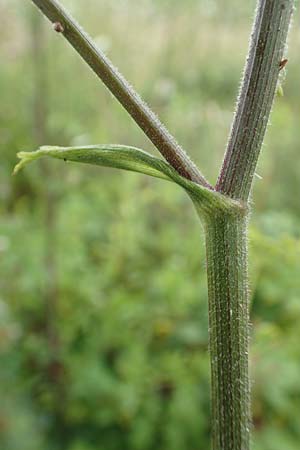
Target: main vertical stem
(226, 243)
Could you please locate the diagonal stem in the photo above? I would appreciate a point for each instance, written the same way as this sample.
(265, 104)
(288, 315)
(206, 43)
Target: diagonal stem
(122, 90)
(256, 97)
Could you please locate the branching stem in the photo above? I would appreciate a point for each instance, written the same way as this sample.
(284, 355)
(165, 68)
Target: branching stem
(225, 220)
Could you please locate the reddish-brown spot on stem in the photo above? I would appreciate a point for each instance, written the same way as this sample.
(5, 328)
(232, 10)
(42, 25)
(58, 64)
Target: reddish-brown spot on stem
(283, 63)
(57, 26)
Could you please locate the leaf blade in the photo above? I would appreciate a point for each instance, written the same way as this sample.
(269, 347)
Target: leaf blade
(132, 159)
(116, 156)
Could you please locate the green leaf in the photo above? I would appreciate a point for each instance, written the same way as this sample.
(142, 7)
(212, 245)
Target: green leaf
(136, 160)
(117, 156)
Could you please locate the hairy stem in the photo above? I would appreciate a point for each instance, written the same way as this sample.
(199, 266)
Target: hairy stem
(256, 97)
(225, 220)
(226, 236)
(228, 330)
(121, 89)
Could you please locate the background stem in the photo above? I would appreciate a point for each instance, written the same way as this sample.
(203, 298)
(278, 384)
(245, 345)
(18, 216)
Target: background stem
(228, 330)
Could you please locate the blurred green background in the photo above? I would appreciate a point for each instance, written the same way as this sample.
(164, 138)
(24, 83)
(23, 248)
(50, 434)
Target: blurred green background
(103, 304)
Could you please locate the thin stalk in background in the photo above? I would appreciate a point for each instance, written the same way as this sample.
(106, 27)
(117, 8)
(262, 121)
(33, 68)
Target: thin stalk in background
(54, 368)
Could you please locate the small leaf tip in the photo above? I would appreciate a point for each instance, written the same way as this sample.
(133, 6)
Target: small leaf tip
(25, 158)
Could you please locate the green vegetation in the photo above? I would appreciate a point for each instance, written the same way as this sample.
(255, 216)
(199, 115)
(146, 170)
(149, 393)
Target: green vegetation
(103, 310)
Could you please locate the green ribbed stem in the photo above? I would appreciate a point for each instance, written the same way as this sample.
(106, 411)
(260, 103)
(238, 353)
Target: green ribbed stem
(226, 245)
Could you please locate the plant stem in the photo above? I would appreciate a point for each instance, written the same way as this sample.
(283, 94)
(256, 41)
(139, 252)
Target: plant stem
(122, 90)
(228, 330)
(256, 98)
(226, 236)
(225, 228)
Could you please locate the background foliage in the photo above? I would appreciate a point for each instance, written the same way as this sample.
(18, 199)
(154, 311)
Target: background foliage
(103, 315)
